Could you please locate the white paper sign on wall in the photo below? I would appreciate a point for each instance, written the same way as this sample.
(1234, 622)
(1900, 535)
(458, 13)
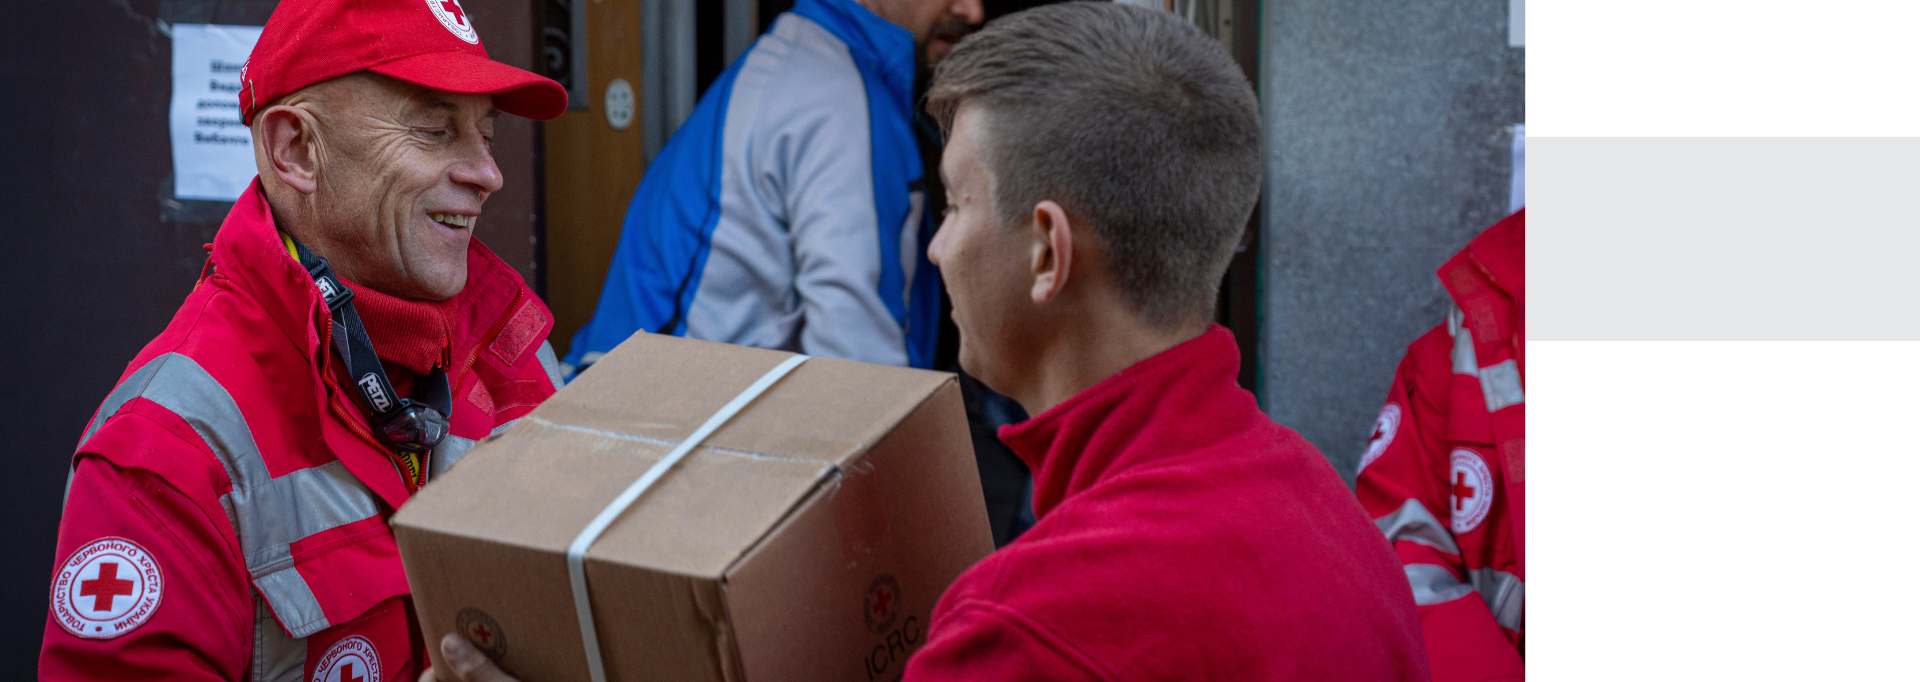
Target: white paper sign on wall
(212, 150)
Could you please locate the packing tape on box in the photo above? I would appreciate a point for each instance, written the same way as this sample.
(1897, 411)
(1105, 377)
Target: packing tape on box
(577, 552)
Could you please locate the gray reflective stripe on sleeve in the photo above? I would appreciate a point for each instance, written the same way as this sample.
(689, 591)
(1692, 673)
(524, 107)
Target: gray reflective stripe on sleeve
(276, 657)
(1413, 523)
(1434, 584)
(268, 513)
(455, 447)
(1463, 359)
(550, 363)
(1501, 384)
(127, 390)
(1505, 593)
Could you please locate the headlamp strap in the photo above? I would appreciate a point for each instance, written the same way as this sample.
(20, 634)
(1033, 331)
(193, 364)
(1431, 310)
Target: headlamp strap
(350, 339)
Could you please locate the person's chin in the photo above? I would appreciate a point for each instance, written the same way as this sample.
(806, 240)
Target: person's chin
(446, 282)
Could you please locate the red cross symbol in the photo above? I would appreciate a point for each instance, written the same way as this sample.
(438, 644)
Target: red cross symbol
(882, 600)
(453, 7)
(346, 674)
(482, 635)
(1461, 491)
(105, 587)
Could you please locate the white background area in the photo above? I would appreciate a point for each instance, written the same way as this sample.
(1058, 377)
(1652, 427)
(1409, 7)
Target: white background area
(1724, 266)
(1723, 68)
(1721, 510)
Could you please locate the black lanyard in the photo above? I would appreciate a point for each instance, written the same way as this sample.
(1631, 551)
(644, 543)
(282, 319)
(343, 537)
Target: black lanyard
(406, 425)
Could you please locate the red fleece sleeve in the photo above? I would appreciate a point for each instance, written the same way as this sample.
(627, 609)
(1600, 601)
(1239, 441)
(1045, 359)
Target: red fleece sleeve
(199, 624)
(981, 641)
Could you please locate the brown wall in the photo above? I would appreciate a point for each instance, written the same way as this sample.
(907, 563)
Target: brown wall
(592, 171)
(509, 221)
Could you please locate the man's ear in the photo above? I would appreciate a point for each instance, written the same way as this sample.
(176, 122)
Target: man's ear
(1052, 261)
(290, 137)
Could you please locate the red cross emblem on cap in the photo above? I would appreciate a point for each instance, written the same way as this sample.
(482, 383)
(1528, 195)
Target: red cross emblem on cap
(454, 17)
(429, 43)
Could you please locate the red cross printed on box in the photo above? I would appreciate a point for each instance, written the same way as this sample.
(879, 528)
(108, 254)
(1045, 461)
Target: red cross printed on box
(105, 587)
(882, 603)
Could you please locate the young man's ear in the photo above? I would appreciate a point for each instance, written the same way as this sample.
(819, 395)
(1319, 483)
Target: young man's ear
(1052, 260)
(289, 136)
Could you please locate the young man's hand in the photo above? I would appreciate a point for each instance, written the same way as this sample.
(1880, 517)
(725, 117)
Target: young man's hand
(464, 663)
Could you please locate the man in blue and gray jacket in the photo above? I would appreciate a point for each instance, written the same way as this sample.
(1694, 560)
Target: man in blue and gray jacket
(788, 211)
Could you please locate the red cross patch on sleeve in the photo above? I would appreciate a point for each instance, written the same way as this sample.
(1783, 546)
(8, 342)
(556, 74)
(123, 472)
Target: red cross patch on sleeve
(1470, 490)
(353, 659)
(106, 589)
(1384, 428)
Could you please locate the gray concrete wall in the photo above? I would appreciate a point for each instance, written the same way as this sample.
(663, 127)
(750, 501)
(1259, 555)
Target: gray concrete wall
(1389, 146)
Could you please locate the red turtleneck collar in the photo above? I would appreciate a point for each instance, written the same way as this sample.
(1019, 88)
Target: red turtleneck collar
(416, 335)
(1173, 403)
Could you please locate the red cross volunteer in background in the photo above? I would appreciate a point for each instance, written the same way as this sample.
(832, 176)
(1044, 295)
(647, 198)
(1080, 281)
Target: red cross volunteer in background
(348, 340)
(1451, 441)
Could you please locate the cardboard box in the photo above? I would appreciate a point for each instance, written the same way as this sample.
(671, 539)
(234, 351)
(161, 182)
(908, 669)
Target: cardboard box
(807, 539)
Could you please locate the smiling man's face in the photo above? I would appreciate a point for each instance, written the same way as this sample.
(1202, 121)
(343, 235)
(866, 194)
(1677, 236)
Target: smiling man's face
(403, 173)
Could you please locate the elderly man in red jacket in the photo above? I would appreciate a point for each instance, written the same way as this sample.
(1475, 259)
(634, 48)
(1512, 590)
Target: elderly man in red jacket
(226, 518)
(1101, 163)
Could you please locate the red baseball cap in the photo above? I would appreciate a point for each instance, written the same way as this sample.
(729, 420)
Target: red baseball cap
(430, 43)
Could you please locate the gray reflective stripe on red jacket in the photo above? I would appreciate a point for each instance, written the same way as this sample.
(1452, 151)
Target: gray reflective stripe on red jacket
(1499, 382)
(276, 657)
(1504, 592)
(1506, 595)
(550, 363)
(268, 514)
(452, 448)
(1413, 523)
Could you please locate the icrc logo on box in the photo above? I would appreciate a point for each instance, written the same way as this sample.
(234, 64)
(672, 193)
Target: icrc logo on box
(882, 609)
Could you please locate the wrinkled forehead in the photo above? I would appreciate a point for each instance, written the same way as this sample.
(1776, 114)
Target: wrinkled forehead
(368, 93)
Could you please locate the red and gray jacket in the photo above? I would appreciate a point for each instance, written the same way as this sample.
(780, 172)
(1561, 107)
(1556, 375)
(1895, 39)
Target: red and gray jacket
(1444, 475)
(226, 518)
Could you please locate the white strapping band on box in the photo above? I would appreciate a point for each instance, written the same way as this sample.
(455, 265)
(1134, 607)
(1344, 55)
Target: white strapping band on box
(577, 552)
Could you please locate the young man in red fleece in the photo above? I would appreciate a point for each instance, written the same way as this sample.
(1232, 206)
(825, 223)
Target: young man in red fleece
(1101, 163)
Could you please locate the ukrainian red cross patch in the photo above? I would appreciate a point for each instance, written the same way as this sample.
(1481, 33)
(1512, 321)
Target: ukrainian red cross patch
(349, 660)
(1469, 490)
(106, 589)
(1384, 427)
